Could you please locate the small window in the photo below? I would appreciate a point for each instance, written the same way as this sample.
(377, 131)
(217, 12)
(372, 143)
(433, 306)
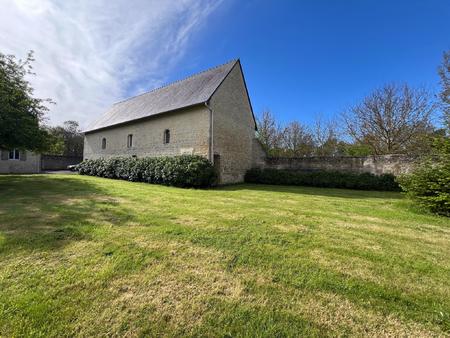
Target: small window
(130, 141)
(14, 154)
(103, 143)
(166, 136)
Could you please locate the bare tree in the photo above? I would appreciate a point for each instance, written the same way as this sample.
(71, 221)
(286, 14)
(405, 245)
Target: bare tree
(444, 73)
(297, 140)
(393, 119)
(325, 136)
(269, 132)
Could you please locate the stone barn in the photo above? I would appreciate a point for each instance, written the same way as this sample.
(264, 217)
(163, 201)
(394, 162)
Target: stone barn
(207, 114)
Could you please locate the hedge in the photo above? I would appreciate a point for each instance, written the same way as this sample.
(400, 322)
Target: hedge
(323, 179)
(179, 171)
(429, 183)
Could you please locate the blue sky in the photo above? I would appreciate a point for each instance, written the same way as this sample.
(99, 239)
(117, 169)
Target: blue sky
(300, 58)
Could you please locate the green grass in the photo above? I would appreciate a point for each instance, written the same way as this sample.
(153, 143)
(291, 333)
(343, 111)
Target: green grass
(88, 256)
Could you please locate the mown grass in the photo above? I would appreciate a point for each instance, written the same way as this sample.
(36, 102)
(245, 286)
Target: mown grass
(88, 256)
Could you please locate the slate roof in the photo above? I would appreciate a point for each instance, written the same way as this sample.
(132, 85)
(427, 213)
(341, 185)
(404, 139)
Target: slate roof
(191, 91)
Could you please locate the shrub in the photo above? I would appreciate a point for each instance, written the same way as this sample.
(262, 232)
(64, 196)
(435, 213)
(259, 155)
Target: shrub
(324, 179)
(180, 171)
(429, 182)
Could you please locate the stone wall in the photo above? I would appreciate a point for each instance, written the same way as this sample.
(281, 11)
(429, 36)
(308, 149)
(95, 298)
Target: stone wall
(259, 155)
(28, 163)
(385, 164)
(233, 128)
(189, 134)
(53, 162)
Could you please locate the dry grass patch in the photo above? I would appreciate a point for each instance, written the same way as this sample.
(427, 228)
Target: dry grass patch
(339, 314)
(172, 292)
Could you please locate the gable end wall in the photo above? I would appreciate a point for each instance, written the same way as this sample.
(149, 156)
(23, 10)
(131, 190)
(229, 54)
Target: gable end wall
(233, 128)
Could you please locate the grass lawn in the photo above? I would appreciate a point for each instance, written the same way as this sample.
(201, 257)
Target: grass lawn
(89, 256)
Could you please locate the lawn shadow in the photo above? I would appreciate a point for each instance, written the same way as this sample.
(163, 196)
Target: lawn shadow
(327, 192)
(46, 213)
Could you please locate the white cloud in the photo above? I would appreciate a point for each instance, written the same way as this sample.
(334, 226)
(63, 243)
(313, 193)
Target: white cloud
(90, 54)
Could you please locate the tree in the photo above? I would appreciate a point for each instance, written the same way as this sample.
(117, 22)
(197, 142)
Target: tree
(429, 183)
(21, 114)
(353, 149)
(393, 119)
(444, 73)
(55, 143)
(297, 140)
(66, 139)
(269, 133)
(325, 137)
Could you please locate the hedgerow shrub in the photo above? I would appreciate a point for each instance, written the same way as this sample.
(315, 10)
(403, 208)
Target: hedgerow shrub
(429, 183)
(179, 171)
(324, 179)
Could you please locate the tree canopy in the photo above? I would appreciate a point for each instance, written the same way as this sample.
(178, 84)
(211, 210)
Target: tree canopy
(21, 113)
(392, 119)
(66, 139)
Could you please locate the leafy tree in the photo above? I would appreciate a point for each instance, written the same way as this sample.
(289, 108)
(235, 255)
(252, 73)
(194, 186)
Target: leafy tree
(429, 182)
(393, 119)
(353, 149)
(55, 144)
(66, 139)
(21, 114)
(444, 73)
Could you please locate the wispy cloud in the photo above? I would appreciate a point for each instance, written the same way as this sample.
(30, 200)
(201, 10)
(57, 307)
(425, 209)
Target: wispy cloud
(90, 54)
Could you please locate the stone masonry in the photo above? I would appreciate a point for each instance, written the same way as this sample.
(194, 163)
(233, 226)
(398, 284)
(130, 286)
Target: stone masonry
(233, 128)
(189, 132)
(219, 126)
(384, 164)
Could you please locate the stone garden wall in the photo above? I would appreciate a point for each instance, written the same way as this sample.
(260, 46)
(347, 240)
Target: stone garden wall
(54, 162)
(384, 164)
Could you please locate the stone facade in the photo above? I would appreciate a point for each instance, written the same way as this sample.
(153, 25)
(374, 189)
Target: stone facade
(233, 128)
(189, 134)
(384, 164)
(221, 129)
(28, 163)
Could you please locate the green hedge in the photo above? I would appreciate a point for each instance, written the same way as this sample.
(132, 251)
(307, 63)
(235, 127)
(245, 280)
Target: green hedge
(179, 171)
(429, 182)
(324, 179)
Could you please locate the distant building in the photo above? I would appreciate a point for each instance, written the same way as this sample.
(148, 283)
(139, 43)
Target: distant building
(207, 114)
(15, 161)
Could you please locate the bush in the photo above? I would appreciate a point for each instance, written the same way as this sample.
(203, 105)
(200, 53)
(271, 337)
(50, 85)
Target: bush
(429, 183)
(179, 171)
(324, 179)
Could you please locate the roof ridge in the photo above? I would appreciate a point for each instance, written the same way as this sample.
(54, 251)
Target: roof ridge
(177, 81)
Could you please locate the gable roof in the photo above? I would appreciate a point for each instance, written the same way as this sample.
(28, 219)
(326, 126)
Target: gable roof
(193, 90)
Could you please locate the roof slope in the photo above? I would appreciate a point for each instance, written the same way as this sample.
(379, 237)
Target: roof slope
(193, 90)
